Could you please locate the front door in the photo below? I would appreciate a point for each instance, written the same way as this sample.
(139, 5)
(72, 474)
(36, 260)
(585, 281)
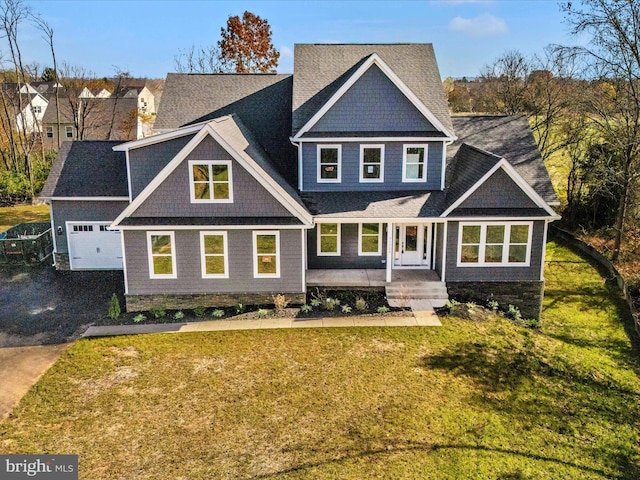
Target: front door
(412, 245)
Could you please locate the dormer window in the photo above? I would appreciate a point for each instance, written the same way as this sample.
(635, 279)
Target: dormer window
(414, 163)
(211, 181)
(329, 163)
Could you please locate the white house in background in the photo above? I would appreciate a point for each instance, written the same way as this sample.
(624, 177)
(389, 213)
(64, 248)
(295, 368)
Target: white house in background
(32, 113)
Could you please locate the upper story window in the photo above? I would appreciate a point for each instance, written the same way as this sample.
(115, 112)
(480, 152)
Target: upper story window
(414, 163)
(49, 132)
(37, 109)
(329, 163)
(210, 181)
(494, 244)
(371, 163)
(69, 131)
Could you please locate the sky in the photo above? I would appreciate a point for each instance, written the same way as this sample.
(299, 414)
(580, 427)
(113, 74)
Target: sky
(143, 37)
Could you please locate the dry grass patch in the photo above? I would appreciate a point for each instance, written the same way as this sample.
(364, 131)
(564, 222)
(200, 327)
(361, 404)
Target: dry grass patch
(12, 216)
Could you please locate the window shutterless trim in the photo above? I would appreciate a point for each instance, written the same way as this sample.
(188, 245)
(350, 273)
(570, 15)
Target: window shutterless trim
(319, 149)
(204, 255)
(380, 178)
(482, 245)
(422, 179)
(210, 164)
(360, 235)
(151, 256)
(319, 236)
(276, 254)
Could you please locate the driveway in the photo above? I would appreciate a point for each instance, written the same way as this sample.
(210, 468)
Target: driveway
(40, 305)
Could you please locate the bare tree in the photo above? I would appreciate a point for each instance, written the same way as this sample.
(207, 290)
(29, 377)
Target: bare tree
(199, 60)
(505, 83)
(613, 57)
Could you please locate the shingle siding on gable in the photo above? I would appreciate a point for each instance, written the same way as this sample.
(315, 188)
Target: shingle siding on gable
(349, 250)
(189, 270)
(372, 104)
(173, 198)
(145, 163)
(498, 191)
(494, 274)
(351, 169)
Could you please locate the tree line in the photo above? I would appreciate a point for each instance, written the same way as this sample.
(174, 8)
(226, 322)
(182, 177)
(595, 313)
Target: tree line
(583, 104)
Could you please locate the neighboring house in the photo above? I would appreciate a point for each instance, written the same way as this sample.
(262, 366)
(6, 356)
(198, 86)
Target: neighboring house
(352, 167)
(27, 103)
(99, 119)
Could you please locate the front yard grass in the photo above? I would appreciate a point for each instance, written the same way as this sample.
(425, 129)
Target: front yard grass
(12, 216)
(484, 399)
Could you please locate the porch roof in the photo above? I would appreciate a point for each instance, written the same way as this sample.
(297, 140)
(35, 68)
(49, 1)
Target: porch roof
(375, 204)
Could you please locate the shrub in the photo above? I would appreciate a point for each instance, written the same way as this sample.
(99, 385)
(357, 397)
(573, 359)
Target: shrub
(158, 312)
(262, 313)
(361, 304)
(451, 305)
(199, 311)
(470, 306)
(114, 307)
(306, 308)
(315, 302)
(532, 323)
(217, 313)
(493, 305)
(280, 302)
(179, 315)
(139, 318)
(239, 308)
(513, 313)
(330, 304)
(346, 309)
(383, 309)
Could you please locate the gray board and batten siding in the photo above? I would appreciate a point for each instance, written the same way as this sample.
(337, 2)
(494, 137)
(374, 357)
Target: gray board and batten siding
(64, 211)
(348, 258)
(350, 181)
(189, 271)
(172, 198)
(373, 104)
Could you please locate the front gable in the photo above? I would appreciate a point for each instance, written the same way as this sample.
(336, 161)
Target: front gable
(373, 104)
(372, 80)
(173, 197)
(219, 174)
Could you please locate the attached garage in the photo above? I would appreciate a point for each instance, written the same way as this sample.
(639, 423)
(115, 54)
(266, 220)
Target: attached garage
(92, 246)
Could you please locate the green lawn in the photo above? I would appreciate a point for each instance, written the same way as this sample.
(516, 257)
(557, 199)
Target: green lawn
(473, 399)
(12, 216)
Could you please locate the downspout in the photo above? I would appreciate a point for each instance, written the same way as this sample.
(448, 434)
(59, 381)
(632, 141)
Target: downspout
(444, 162)
(299, 147)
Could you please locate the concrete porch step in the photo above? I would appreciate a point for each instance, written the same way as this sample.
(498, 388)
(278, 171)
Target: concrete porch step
(401, 294)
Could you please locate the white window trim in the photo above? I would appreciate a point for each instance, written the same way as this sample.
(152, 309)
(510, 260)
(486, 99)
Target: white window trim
(255, 254)
(404, 162)
(319, 243)
(68, 130)
(173, 255)
(505, 251)
(372, 180)
(319, 148)
(210, 163)
(203, 255)
(371, 254)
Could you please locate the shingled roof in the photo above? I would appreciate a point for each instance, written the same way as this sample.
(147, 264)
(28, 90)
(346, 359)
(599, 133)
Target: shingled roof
(87, 169)
(509, 137)
(321, 69)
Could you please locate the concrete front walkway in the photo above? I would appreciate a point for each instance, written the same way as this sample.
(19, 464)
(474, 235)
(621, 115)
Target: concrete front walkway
(21, 368)
(423, 316)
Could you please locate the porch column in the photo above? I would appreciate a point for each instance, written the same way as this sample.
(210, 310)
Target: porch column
(389, 251)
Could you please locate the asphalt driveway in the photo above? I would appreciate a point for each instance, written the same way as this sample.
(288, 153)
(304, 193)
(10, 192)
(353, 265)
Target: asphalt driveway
(39, 305)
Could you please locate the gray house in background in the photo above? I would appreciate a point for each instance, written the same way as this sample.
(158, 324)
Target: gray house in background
(266, 184)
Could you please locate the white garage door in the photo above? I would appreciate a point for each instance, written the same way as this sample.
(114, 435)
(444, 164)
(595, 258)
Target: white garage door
(93, 247)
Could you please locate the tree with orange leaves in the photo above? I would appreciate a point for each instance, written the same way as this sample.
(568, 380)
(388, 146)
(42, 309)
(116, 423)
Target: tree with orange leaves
(246, 44)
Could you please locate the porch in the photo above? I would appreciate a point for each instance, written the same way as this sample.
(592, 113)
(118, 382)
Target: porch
(405, 285)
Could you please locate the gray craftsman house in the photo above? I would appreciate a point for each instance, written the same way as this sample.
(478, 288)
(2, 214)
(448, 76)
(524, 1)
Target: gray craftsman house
(348, 173)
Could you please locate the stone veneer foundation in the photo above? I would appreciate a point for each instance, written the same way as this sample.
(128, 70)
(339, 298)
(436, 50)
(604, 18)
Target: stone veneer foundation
(138, 303)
